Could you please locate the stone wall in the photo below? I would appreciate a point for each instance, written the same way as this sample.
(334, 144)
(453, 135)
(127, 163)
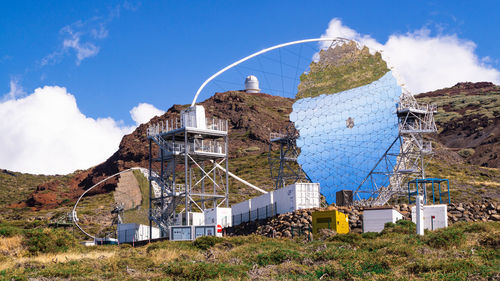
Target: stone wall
(289, 224)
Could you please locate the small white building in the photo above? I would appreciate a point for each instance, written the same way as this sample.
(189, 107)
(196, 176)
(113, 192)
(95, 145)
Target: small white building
(252, 84)
(435, 216)
(374, 219)
(194, 117)
(218, 216)
(133, 232)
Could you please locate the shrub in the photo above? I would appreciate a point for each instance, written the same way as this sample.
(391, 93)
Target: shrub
(9, 231)
(476, 227)
(276, 256)
(370, 235)
(350, 238)
(375, 267)
(48, 241)
(401, 226)
(205, 242)
(445, 238)
(203, 270)
(466, 152)
(490, 241)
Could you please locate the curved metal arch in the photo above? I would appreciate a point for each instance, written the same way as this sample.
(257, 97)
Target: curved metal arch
(262, 52)
(73, 212)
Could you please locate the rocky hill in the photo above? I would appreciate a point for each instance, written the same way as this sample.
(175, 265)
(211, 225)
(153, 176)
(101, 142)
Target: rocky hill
(252, 117)
(467, 145)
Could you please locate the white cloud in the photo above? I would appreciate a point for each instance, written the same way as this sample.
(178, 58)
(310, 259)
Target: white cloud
(45, 133)
(83, 50)
(143, 112)
(424, 62)
(16, 90)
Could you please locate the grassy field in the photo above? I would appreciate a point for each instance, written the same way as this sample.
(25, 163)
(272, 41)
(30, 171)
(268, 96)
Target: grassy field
(467, 251)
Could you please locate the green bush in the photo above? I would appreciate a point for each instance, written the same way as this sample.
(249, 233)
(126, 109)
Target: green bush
(375, 267)
(476, 227)
(445, 238)
(48, 241)
(9, 231)
(401, 226)
(204, 271)
(466, 152)
(350, 238)
(276, 256)
(205, 242)
(370, 235)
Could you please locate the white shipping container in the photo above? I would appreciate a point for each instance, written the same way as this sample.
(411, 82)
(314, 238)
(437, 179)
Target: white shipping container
(297, 196)
(221, 216)
(439, 212)
(375, 219)
(133, 232)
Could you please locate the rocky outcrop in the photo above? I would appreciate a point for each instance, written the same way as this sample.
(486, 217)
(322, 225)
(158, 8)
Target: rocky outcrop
(300, 222)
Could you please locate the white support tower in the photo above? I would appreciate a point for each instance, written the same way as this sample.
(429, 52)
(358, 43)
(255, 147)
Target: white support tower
(190, 150)
(415, 121)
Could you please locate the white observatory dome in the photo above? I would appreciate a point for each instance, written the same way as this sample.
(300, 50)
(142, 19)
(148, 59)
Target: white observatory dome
(252, 84)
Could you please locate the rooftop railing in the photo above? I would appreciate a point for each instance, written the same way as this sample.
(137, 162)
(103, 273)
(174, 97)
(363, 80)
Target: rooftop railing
(161, 127)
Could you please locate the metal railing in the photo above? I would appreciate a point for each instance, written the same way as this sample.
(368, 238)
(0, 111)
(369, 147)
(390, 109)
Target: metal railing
(277, 136)
(215, 124)
(197, 146)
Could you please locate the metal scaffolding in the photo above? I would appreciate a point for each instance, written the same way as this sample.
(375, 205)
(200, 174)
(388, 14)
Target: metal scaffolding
(415, 121)
(284, 167)
(186, 172)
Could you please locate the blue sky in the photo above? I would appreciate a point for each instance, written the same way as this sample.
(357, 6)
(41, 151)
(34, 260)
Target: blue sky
(159, 52)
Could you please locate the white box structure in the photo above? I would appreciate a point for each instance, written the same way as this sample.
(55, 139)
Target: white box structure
(241, 212)
(261, 206)
(435, 216)
(191, 232)
(133, 232)
(195, 218)
(194, 116)
(375, 219)
(218, 216)
(297, 196)
(288, 199)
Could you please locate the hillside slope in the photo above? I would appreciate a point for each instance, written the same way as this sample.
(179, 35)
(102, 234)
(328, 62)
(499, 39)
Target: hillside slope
(467, 145)
(252, 117)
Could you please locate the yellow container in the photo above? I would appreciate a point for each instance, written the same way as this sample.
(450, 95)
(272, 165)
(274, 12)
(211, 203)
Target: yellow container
(333, 220)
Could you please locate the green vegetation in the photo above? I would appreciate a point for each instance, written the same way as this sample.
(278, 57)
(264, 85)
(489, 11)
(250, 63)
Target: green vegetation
(341, 68)
(464, 251)
(17, 187)
(205, 242)
(484, 107)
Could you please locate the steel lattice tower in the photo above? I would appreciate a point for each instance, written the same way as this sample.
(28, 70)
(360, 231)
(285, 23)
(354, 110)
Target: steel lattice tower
(192, 169)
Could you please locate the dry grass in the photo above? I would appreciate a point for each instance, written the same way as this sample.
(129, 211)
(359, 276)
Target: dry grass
(11, 246)
(57, 258)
